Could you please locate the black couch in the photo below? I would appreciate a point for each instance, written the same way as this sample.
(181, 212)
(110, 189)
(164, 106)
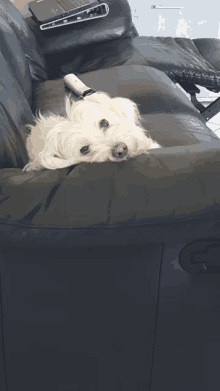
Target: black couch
(109, 272)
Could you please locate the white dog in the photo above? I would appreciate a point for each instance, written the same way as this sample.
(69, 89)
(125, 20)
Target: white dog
(96, 129)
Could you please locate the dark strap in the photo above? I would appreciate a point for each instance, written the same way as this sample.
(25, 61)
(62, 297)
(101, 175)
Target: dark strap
(88, 92)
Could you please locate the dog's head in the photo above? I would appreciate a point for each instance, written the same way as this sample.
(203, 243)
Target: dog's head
(95, 129)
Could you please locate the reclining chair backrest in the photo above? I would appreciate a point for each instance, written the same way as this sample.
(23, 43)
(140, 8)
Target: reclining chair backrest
(21, 62)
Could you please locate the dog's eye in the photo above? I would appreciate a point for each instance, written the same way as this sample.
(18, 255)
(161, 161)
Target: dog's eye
(84, 150)
(104, 124)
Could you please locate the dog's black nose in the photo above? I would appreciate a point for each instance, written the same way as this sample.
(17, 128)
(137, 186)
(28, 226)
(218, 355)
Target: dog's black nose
(120, 150)
(104, 124)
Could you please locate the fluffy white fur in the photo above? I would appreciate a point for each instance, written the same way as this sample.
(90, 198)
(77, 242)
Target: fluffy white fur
(56, 141)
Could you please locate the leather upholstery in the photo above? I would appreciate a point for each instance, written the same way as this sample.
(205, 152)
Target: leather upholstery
(120, 67)
(92, 296)
(210, 50)
(117, 24)
(168, 115)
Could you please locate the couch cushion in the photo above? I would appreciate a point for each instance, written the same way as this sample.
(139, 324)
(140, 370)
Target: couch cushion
(179, 58)
(167, 114)
(105, 55)
(166, 111)
(75, 205)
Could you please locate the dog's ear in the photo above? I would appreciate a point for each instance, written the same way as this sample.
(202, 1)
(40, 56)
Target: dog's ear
(72, 110)
(128, 108)
(68, 106)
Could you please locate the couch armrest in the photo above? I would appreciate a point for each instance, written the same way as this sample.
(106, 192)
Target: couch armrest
(181, 160)
(209, 48)
(168, 186)
(180, 59)
(117, 24)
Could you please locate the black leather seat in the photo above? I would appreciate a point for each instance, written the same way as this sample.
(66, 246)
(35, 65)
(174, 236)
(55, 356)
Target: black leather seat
(109, 272)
